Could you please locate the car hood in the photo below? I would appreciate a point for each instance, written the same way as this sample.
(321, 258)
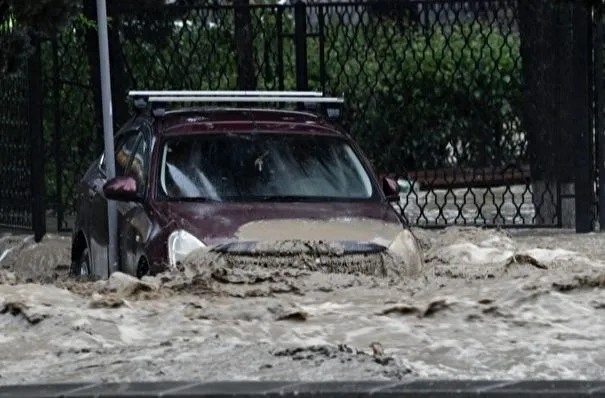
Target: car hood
(215, 223)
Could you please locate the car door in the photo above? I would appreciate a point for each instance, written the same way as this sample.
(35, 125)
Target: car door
(99, 231)
(82, 222)
(133, 221)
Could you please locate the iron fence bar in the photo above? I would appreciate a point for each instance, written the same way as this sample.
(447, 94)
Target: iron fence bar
(36, 133)
(560, 128)
(560, 196)
(124, 7)
(309, 34)
(74, 83)
(590, 110)
(599, 85)
(129, 8)
(57, 82)
(322, 55)
(300, 44)
(482, 225)
(583, 181)
(280, 46)
(15, 227)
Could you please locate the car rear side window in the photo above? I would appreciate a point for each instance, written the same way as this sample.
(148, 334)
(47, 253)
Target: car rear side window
(123, 149)
(124, 153)
(138, 165)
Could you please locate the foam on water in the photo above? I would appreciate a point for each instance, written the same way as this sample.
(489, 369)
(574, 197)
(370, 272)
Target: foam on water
(487, 305)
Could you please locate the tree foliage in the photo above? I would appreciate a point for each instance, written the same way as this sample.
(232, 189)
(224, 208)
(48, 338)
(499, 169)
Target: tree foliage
(20, 19)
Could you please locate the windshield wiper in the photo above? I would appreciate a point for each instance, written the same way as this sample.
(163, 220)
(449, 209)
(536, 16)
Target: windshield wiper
(200, 199)
(293, 199)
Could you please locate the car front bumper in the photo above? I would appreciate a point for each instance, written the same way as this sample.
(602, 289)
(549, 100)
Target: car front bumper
(341, 257)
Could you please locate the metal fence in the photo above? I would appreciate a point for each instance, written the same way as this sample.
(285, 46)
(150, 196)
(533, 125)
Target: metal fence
(21, 178)
(477, 106)
(15, 174)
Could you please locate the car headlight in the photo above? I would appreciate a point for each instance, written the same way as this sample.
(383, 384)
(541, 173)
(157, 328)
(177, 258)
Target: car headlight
(407, 248)
(180, 244)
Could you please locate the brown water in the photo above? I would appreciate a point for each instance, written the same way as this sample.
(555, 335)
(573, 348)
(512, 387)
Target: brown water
(486, 305)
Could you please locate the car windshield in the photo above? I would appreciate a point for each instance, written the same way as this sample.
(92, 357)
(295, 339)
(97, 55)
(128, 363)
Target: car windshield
(262, 166)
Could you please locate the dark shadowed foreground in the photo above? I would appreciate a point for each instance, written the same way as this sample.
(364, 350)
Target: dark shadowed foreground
(487, 305)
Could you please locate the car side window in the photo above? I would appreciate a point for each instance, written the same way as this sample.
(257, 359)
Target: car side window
(125, 152)
(138, 165)
(124, 144)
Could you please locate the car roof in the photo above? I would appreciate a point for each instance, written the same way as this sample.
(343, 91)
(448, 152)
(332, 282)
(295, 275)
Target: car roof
(216, 120)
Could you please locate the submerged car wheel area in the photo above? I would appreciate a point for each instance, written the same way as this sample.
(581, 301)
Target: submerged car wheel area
(83, 269)
(288, 186)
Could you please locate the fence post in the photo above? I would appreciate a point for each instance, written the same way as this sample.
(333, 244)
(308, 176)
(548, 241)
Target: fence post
(300, 45)
(582, 106)
(56, 139)
(279, 25)
(599, 109)
(36, 134)
(322, 49)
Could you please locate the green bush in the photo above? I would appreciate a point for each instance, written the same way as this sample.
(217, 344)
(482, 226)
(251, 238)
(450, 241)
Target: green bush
(412, 94)
(408, 94)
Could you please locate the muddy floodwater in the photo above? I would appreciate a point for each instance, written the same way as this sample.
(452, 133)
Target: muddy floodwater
(488, 304)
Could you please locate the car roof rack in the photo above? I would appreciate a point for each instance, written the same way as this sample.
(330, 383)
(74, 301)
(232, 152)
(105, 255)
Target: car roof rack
(156, 101)
(215, 93)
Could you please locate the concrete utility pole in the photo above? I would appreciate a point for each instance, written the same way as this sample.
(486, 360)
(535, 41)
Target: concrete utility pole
(110, 163)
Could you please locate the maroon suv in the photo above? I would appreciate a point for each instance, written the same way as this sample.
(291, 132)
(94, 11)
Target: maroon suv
(226, 179)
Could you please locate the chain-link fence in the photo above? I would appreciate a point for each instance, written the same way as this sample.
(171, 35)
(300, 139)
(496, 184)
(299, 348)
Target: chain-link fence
(15, 173)
(473, 105)
(15, 167)
(22, 199)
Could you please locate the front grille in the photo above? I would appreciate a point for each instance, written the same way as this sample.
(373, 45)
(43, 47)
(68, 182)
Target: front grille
(374, 264)
(331, 248)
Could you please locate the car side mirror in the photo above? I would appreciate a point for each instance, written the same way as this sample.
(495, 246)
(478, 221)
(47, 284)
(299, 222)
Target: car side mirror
(391, 189)
(121, 189)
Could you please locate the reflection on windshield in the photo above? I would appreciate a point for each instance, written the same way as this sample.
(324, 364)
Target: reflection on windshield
(238, 167)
